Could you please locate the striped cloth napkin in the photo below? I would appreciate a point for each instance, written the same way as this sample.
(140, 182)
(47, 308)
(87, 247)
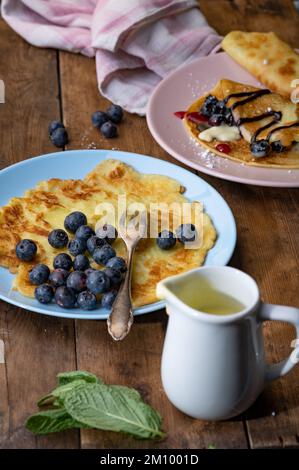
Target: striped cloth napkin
(136, 43)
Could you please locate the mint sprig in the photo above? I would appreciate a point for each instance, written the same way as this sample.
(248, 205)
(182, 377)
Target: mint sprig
(81, 400)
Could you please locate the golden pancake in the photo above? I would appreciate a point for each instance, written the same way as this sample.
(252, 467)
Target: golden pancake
(45, 207)
(240, 148)
(267, 57)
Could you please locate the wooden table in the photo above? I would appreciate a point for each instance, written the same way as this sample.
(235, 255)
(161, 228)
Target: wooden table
(42, 85)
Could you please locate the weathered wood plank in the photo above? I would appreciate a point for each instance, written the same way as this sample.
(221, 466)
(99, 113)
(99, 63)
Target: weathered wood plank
(136, 361)
(279, 16)
(36, 347)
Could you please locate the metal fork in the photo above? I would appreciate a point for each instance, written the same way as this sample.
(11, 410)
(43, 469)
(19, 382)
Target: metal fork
(121, 317)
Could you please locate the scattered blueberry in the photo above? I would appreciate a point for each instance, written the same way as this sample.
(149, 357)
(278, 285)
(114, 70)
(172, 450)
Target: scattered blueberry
(63, 261)
(115, 113)
(109, 129)
(81, 263)
(277, 146)
(44, 293)
(26, 250)
(58, 277)
(208, 107)
(117, 263)
(260, 148)
(59, 137)
(87, 300)
(98, 118)
(84, 232)
(39, 274)
(74, 220)
(77, 281)
(186, 233)
(65, 297)
(98, 282)
(229, 118)
(107, 232)
(108, 299)
(166, 240)
(77, 246)
(58, 238)
(220, 108)
(54, 125)
(102, 255)
(114, 275)
(93, 243)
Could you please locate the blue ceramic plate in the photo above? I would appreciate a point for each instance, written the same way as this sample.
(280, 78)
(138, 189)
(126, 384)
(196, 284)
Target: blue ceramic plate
(16, 179)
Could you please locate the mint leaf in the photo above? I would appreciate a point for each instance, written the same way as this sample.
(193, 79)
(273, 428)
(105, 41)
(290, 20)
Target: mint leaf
(67, 377)
(51, 421)
(113, 408)
(57, 395)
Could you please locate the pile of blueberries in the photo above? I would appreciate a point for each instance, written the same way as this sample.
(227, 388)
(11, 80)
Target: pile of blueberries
(73, 282)
(217, 112)
(106, 121)
(58, 134)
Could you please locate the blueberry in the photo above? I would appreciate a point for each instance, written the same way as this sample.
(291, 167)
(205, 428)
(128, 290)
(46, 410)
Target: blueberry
(84, 232)
(108, 299)
(63, 261)
(277, 146)
(93, 243)
(98, 282)
(186, 233)
(77, 281)
(58, 238)
(115, 113)
(216, 120)
(208, 107)
(54, 125)
(87, 300)
(220, 108)
(44, 293)
(58, 277)
(114, 275)
(39, 274)
(65, 297)
(59, 137)
(109, 129)
(102, 255)
(98, 118)
(89, 270)
(107, 232)
(77, 246)
(117, 263)
(74, 220)
(166, 240)
(81, 263)
(26, 250)
(260, 148)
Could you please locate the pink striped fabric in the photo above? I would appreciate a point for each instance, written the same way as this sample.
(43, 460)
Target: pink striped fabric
(136, 43)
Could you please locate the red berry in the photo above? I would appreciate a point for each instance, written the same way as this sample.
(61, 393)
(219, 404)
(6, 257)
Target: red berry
(180, 114)
(223, 148)
(197, 118)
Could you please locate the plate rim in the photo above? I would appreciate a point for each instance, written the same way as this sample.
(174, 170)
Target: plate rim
(191, 164)
(102, 154)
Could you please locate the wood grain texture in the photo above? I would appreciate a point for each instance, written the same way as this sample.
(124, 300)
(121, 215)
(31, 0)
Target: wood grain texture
(36, 347)
(279, 16)
(135, 361)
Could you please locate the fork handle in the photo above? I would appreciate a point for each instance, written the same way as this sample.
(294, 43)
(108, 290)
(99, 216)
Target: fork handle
(121, 317)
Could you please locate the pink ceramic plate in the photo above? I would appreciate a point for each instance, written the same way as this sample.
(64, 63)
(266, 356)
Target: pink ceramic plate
(175, 93)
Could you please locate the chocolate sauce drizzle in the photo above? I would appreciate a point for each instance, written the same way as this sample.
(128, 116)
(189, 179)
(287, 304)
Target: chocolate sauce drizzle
(251, 96)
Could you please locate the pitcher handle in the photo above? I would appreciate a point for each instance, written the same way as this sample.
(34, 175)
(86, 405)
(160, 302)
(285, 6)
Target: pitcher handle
(289, 315)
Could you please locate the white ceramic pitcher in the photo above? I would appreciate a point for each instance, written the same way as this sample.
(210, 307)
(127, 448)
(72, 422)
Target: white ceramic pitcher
(213, 366)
